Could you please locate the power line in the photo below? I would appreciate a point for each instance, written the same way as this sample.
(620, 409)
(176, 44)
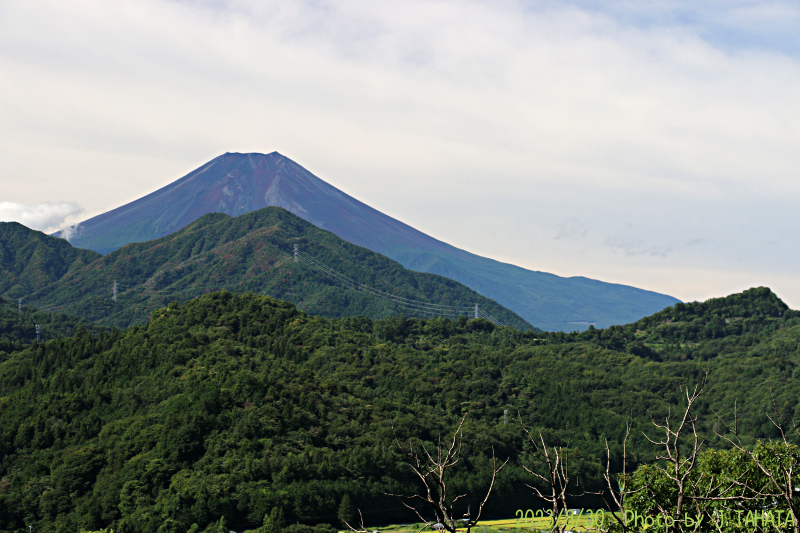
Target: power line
(417, 305)
(117, 289)
(490, 318)
(404, 302)
(361, 286)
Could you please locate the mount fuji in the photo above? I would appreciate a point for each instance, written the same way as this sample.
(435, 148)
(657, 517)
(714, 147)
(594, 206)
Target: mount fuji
(236, 183)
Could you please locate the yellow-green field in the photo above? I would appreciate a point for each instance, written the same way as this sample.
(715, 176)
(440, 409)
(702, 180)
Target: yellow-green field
(576, 523)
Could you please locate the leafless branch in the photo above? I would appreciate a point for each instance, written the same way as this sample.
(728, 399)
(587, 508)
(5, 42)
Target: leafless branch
(432, 472)
(555, 462)
(619, 495)
(678, 468)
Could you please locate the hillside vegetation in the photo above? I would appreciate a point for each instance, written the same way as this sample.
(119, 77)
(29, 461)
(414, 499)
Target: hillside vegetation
(252, 252)
(241, 407)
(30, 260)
(18, 327)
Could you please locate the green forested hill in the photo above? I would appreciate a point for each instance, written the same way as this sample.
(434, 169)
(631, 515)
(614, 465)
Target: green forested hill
(236, 406)
(252, 252)
(30, 260)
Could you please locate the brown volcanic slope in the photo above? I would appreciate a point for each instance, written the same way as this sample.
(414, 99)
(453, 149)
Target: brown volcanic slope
(239, 183)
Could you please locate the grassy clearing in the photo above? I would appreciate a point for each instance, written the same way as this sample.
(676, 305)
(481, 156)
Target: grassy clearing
(520, 525)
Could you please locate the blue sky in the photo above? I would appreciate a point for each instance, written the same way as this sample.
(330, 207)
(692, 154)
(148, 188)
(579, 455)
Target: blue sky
(655, 144)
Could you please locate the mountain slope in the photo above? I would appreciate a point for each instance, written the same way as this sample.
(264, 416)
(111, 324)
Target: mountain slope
(30, 259)
(253, 252)
(238, 183)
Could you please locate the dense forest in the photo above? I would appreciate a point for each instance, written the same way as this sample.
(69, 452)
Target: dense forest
(252, 252)
(18, 326)
(244, 409)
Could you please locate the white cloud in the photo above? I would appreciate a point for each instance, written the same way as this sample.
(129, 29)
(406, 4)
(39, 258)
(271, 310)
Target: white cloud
(45, 217)
(633, 246)
(571, 229)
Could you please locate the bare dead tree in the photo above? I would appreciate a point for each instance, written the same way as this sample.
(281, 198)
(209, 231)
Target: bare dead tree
(551, 467)
(699, 490)
(783, 479)
(678, 467)
(614, 498)
(433, 472)
(362, 528)
(703, 491)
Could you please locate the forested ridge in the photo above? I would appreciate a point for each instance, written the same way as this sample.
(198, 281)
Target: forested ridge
(251, 252)
(242, 406)
(30, 259)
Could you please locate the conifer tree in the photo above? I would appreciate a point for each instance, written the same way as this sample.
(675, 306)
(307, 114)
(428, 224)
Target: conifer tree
(347, 512)
(274, 521)
(217, 527)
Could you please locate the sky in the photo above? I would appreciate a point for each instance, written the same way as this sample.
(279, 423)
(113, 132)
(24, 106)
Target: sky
(654, 144)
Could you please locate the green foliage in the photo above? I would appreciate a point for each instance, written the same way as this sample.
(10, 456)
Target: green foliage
(18, 328)
(243, 406)
(251, 252)
(274, 522)
(726, 490)
(347, 512)
(30, 259)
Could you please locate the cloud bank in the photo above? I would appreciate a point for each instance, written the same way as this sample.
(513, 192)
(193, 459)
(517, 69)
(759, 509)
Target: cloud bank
(45, 217)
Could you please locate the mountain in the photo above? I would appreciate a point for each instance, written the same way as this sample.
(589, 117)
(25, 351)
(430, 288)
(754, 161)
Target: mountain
(239, 183)
(30, 259)
(252, 252)
(236, 405)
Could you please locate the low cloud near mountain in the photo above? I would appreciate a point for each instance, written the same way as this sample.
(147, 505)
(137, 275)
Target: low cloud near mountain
(45, 217)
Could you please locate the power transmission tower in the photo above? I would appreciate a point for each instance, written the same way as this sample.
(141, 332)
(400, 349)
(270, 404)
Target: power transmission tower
(296, 252)
(114, 291)
(38, 333)
(476, 311)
